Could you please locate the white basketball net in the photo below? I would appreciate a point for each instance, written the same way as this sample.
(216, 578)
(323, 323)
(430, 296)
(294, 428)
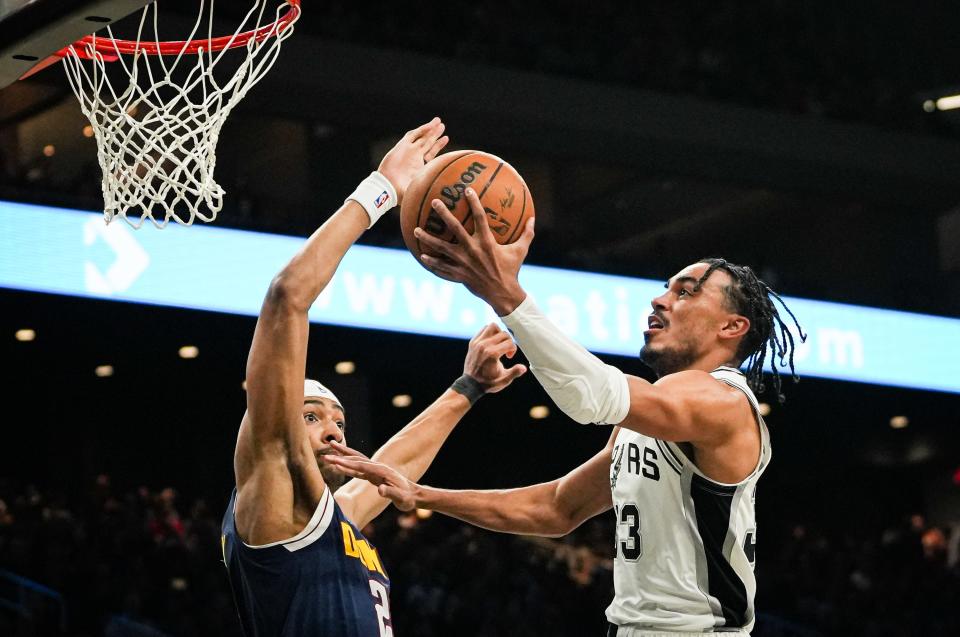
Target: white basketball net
(157, 131)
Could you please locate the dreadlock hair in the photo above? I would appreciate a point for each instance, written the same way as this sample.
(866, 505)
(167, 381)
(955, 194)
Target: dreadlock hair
(751, 297)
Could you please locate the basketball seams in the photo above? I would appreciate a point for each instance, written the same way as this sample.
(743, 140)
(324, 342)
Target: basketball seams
(480, 196)
(490, 183)
(523, 211)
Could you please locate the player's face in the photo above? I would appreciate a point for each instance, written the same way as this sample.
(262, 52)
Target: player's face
(324, 420)
(685, 320)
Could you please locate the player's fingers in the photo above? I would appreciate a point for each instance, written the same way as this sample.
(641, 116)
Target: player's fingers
(340, 461)
(431, 135)
(351, 462)
(488, 331)
(401, 499)
(502, 349)
(351, 470)
(347, 451)
(445, 248)
(481, 337)
(436, 148)
(459, 232)
(353, 473)
(498, 336)
(481, 228)
(508, 376)
(443, 269)
(367, 469)
(528, 233)
(516, 371)
(419, 131)
(397, 496)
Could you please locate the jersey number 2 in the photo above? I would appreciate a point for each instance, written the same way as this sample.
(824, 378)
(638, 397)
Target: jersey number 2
(379, 592)
(631, 548)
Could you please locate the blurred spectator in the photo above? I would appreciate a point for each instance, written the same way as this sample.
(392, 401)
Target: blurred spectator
(130, 564)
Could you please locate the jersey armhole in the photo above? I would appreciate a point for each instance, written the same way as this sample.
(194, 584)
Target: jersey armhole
(762, 461)
(313, 531)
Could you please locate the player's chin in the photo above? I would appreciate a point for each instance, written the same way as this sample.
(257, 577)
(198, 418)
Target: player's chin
(332, 476)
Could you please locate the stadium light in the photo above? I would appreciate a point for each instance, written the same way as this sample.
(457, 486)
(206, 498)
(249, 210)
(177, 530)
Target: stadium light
(539, 412)
(899, 422)
(345, 367)
(946, 103)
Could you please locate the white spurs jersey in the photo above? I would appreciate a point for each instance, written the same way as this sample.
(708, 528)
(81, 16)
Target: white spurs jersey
(685, 543)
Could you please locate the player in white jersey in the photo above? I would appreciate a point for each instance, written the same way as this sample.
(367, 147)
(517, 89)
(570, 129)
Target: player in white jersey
(681, 466)
(699, 534)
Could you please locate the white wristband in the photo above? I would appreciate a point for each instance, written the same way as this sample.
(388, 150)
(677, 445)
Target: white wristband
(377, 196)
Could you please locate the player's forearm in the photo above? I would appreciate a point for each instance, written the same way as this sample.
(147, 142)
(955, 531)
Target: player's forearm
(412, 449)
(300, 282)
(524, 511)
(584, 387)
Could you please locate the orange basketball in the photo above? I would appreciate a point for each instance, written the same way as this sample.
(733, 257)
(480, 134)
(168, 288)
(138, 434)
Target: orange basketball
(502, 192)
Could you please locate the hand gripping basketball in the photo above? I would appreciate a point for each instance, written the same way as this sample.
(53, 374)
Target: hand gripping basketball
(489, 270)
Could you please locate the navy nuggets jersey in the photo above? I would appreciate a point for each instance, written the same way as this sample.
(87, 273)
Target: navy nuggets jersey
(325, 581)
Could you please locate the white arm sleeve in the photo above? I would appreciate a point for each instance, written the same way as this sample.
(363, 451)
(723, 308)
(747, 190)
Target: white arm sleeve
(583, 386)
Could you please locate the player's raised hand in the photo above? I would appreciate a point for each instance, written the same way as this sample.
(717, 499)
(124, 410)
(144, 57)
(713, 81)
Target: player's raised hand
(486, 268)
(484, 359)
(414, 149)
(389, 482)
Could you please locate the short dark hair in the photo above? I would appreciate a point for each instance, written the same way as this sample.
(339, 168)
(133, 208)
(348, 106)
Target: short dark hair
(749, 296)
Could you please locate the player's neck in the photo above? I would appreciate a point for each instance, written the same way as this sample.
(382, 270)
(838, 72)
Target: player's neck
(710, 361)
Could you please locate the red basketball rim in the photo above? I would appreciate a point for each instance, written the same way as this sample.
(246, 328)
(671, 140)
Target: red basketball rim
(110, 46)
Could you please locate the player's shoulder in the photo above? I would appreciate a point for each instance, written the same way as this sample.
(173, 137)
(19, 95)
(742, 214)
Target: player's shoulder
(697, 380)
(714, 396)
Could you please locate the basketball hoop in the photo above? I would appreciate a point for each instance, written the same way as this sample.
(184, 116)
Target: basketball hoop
(157, 129)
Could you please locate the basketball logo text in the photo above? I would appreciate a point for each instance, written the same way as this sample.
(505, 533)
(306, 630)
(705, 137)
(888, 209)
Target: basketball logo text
(451, 195)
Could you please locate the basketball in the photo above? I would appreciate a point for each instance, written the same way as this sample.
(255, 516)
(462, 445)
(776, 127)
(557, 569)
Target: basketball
(502, 192)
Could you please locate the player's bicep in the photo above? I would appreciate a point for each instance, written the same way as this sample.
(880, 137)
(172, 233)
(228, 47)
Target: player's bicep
(276, 367)
(688, 406)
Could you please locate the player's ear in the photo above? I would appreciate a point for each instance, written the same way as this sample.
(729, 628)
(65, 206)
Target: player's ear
(735, 326)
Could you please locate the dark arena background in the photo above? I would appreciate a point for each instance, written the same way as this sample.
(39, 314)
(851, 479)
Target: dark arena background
(815, 141)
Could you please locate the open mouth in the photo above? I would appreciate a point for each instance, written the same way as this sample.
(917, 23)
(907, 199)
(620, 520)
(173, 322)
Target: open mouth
(655, 323)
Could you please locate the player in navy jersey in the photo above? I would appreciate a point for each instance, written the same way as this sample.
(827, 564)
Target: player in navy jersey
(296, 558)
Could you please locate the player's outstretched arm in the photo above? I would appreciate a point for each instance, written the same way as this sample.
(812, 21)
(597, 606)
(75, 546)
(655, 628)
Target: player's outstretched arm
(277, 360)
(690, 406)
(411, 450)
(551, 509)
(579, 383)
(272, 446)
